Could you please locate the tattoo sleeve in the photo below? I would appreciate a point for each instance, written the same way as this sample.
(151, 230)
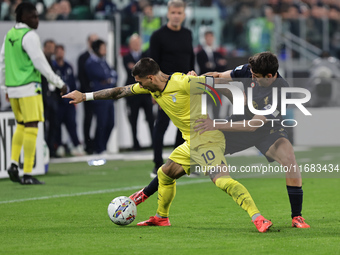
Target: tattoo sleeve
(113, 93)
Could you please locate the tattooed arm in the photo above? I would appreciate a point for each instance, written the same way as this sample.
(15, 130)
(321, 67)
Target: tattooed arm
(112, 93)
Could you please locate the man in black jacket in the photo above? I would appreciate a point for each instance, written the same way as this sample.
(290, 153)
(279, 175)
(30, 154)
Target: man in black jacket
(208, 58)
(171, 47)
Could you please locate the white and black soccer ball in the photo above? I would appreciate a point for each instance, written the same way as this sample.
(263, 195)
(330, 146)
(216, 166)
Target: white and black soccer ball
(122, 210)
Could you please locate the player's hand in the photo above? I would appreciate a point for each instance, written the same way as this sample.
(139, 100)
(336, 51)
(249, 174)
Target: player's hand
(7, 98)
(76, 96)
(213, 74)
(63, 90)
(193, 73)
(204, 125)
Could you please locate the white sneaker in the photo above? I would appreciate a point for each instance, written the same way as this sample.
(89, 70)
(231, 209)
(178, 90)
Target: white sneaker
(153, 174)
(60, 152)
(78, 150)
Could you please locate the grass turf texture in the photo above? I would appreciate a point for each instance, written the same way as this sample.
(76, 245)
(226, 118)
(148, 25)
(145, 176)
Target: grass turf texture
(68, 215)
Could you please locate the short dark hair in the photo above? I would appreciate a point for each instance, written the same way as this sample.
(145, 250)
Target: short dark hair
(208, 32)
(96, 45)
(144, 67)
(23, 7)
(60, 46)
(48, 41)
(264, 63)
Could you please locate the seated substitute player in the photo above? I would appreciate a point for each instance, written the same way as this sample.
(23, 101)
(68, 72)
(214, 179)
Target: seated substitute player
(172, 93)
(261, 74)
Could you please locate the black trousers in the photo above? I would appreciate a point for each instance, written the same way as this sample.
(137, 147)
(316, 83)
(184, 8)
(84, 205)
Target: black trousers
(134, 104)
(88, 115)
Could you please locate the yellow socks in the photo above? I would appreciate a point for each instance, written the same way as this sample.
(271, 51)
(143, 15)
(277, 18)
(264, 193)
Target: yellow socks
(17, 141)
(30, 141)
(27, 137)
(166, 193)
(239, 193)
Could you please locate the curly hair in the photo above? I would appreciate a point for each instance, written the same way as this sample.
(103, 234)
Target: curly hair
(23, 7)
(264, 63)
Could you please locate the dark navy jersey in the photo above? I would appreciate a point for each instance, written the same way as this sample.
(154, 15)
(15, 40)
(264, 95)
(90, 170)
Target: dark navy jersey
(262, 96)
(66, 74)
(100, 74)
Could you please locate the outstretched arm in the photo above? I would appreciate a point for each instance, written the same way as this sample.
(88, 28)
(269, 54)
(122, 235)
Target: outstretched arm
(221, 78)
(112, 93)
(226, 75)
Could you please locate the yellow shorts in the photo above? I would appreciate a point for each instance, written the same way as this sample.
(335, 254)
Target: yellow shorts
(208, 154)
(28, 109)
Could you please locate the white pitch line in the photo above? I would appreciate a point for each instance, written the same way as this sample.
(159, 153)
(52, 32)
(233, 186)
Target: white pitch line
(327, 158)
(95, 192)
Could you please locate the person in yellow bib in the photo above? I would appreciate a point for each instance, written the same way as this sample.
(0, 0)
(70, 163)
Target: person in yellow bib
(21, 64)
(180, 95)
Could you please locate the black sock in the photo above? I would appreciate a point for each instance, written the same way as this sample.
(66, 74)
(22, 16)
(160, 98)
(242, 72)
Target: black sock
(295, 198)
(27, 176)
(158, 165)
(152, 187)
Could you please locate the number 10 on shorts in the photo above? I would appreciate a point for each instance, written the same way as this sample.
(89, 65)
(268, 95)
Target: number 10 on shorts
(208, 156)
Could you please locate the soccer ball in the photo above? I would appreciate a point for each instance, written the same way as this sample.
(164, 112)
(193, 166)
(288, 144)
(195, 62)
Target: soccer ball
(122, 210)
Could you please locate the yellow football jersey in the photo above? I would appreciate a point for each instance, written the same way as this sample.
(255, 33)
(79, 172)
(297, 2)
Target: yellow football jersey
(181, 101)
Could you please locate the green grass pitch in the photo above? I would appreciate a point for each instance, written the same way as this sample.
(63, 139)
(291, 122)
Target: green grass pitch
(68, 215)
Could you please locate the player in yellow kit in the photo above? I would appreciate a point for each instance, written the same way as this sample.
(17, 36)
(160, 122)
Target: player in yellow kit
(179, 96)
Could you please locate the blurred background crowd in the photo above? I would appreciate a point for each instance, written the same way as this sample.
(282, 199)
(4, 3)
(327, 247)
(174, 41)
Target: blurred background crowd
(242, 21)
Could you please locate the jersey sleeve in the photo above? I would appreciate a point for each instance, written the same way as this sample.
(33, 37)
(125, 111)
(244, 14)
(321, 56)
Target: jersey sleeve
(195, 85)
(155, 47)
(239, 72)
(136, 89)
(192, 55)
(31, 44)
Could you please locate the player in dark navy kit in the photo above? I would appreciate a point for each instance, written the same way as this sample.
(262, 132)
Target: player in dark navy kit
(267, 135)
(262, 97)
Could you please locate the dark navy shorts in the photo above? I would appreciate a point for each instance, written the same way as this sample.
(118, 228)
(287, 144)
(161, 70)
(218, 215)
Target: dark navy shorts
(262, 139)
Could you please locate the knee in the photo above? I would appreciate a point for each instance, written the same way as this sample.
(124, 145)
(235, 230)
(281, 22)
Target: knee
(163, 178)
(215, 175)
(160, 171)
(165, 169)
(289, 159)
